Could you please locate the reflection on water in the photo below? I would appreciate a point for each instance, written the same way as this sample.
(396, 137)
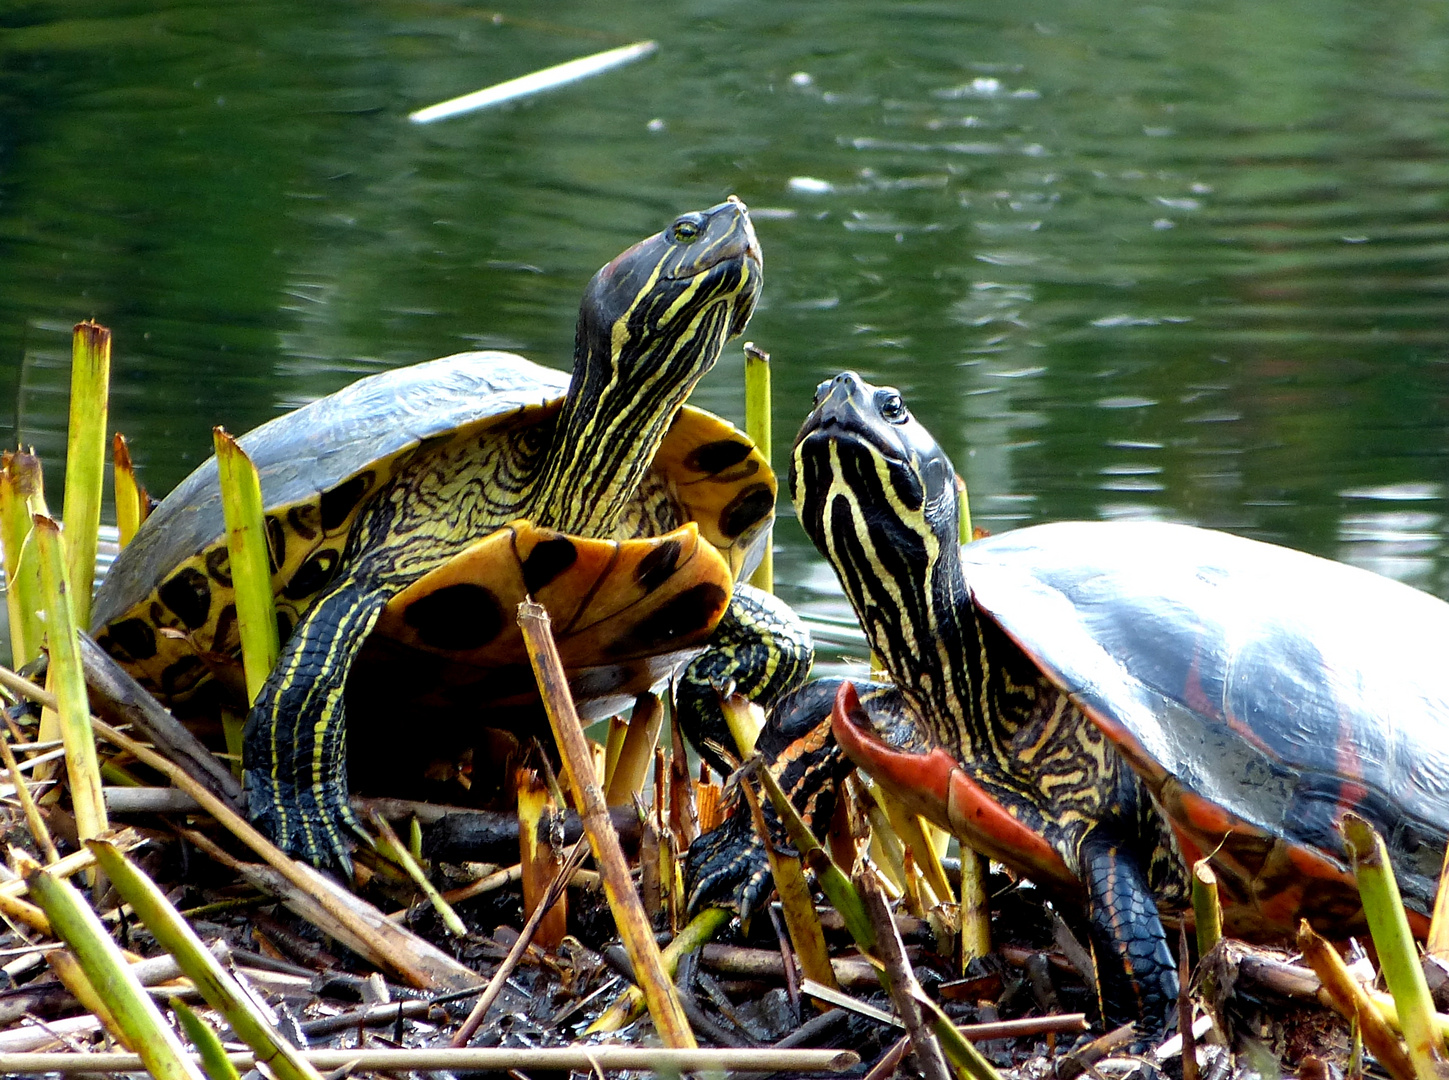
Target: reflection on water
(1125, 260)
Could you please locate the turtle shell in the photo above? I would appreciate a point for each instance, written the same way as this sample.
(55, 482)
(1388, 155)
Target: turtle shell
(166, 608)
(1259, 692)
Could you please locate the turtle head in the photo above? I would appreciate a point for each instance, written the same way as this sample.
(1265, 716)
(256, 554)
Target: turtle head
(867, 473)
(661, 311)
(652, 322)
(877, 496)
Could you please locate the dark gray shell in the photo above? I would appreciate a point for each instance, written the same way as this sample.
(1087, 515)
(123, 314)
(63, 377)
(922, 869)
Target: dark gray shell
(1242, 677)
(319, 447)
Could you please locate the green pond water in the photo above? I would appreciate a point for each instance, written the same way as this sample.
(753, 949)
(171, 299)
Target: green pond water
(1125, 260)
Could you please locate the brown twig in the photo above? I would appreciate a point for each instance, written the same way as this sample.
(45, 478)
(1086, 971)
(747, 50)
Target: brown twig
(900, 980)
(624, 902)
(1184, 1008)
(490, 1059)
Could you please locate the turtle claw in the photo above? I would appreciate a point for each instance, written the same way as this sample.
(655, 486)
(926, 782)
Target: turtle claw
(727, 867)
(313, 827)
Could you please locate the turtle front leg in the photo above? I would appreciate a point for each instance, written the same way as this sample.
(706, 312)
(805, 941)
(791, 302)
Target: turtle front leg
(294, 748)
(762, 648)
(1136, 974)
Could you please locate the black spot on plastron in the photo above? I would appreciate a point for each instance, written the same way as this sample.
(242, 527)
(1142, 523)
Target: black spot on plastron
(304, 520)
(134, 637)
(228, 633)
(338, 503)
(187, 594)
(462, 616)
(182, 676)
(312, 575)
(218, 565)
(276, 543)
(747, 508)
(690, 611)
(657, 566)
(548, 560)
(284, 626)
(717, 456)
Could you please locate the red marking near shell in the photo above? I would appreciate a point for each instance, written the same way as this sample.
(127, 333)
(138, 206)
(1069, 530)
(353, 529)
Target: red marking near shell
(1193, 693)
(1351, 793)
(935, 786)
(1315, 866)
(1202, 816)
(984, 823)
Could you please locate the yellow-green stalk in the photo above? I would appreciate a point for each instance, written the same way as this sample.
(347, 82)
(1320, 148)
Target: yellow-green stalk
(975, 908)
(85, 459)
(393, 849)
(628, 1005)
(22, 495)
(132, 1009)
(836, 886)
(68, 970)
(207, 1042)
(757, 427)
(211, 978)
(801, 919)
(251, 575)
(1207, 911)
(68, 683)
(128, 493)
(1383, 907)
(745, 719)
(846, 898)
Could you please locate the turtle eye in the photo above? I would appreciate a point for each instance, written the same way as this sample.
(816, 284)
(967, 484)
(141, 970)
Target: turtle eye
(685, 230)
(892, 409)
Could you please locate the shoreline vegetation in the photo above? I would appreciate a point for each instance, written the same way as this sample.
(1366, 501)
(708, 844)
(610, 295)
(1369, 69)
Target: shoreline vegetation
(188, 909)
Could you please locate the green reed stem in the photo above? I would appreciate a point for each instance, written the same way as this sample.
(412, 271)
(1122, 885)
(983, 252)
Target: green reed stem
(85, 459)
(135, 1014)
(212, 980)
(757, 427)
(1383, 907)
(251, 575)
(68, 683)
(22, 494)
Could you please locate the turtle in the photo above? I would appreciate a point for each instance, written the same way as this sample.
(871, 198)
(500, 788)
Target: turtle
(407, 513)
(1098, 705)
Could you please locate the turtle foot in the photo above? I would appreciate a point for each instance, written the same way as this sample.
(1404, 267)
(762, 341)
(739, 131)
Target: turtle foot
(727, 867)
(313, 825)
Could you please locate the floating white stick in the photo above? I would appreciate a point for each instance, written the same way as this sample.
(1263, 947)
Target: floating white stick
(539, 81)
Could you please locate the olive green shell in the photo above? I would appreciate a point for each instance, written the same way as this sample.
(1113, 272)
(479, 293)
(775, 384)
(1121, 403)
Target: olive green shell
(166, 608)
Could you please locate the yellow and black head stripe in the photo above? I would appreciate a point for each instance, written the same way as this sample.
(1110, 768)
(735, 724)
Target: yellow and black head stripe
(652, 323)
(868, 501)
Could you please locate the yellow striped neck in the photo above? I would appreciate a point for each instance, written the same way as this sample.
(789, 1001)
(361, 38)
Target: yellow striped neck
(902, 574)
(630, 379)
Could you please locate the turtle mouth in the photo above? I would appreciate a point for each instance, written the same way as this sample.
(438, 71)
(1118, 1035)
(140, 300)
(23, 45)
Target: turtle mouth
(822, 428)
